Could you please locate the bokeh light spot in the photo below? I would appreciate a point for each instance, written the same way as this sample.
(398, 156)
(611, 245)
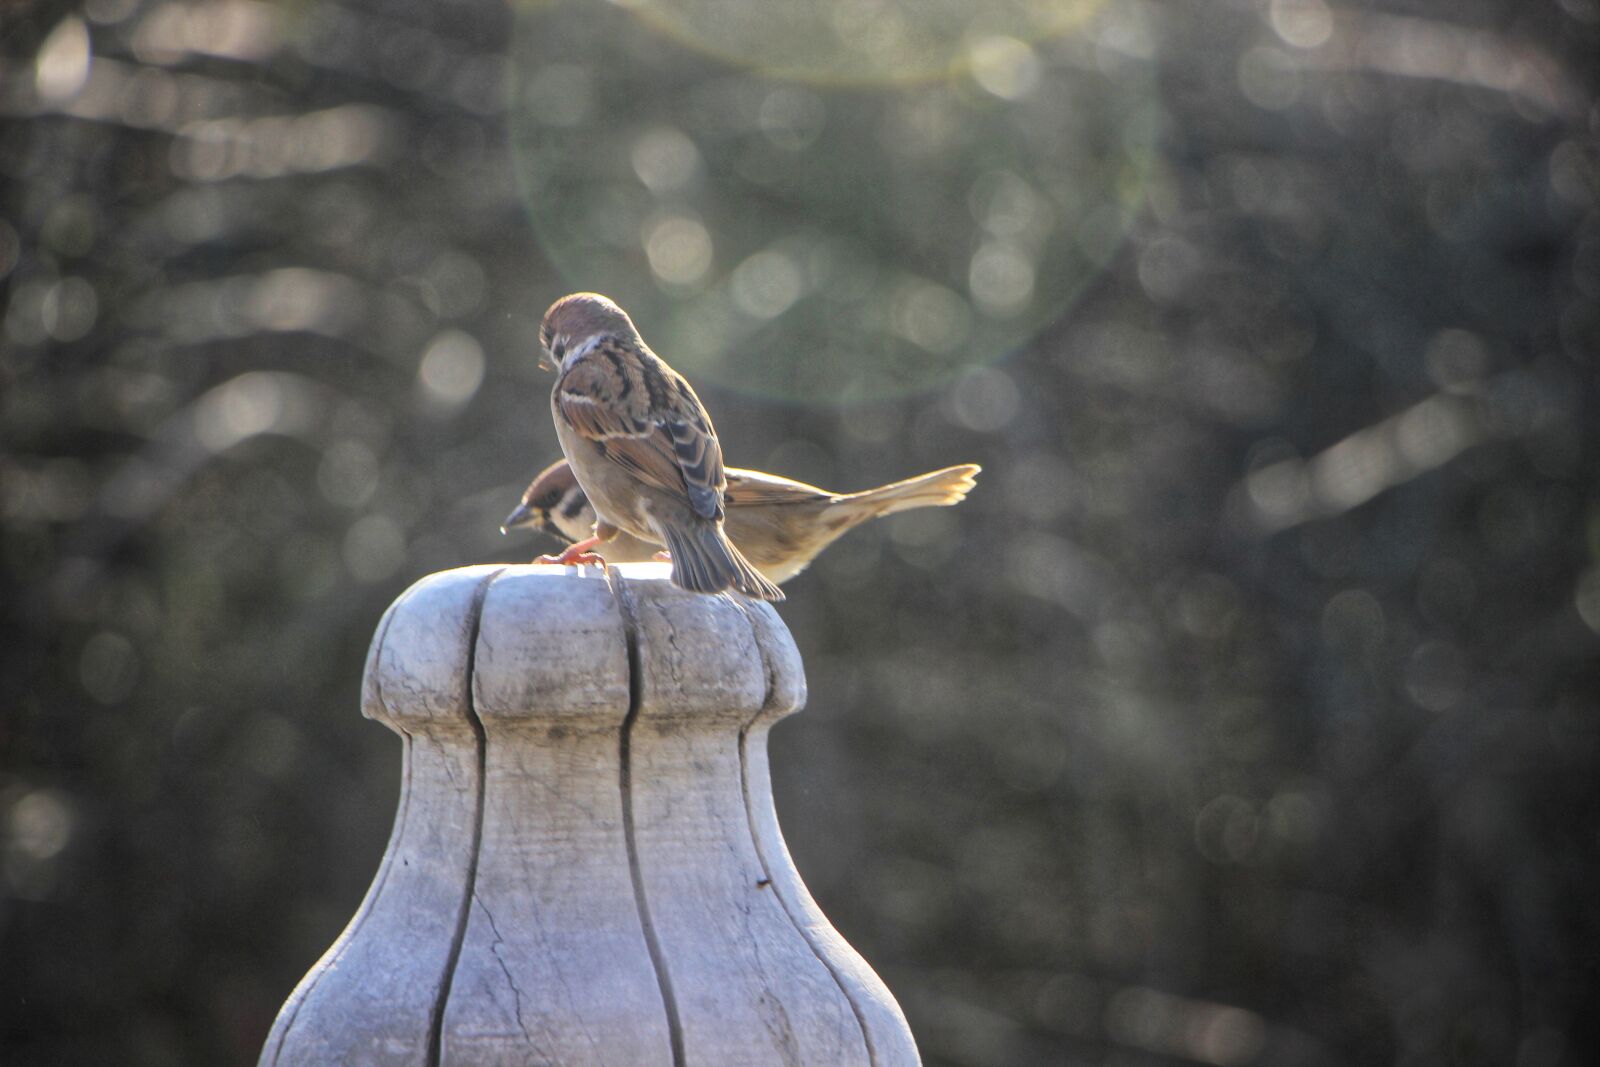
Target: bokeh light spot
(62, 67)
(679, 250)
(25, 316)
(348, 474)
(665, 160)
(858, 42)
(1279, 491)
(1269, 78)
(932, 224)
(766, 285)
(1167, 266)
(930, 315)
(1001, 278)
(296, 298)
(1587, 598)
(1294, 817)
(109, 12)
(1353, 622)
(791, 117)
(39, 824)
(1004, 66)
(242, 407)
(1163, 1023)
(1225, 1036)
(986, 400)
(374, 548)
(1226, 829)
(69, 309)
(1456, 359)
(451, 369)
(1436, 675)
(1301, 23)
(108, 667)
(1008, 207)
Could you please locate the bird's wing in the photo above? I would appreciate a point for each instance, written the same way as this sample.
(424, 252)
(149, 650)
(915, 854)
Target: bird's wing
(647, 420)
(747, 488)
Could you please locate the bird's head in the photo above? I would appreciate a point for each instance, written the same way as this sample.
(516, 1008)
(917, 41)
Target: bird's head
(553, 502)
(576, 322)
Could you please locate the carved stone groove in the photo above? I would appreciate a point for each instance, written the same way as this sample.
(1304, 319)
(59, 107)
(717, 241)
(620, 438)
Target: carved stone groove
(586, 866)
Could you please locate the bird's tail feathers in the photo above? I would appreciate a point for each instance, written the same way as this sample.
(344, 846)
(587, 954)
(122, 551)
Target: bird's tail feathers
(936, 489)
(705, 561)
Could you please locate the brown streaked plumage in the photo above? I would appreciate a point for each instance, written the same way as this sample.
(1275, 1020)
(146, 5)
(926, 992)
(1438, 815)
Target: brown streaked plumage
(780, 525)
(641, 445)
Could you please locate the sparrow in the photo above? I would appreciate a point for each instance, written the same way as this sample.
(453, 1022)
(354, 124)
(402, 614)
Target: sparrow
(641, 445)
(780, 525)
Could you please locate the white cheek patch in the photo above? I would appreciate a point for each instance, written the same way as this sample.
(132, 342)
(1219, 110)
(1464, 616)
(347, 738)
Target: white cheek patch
(577, 352)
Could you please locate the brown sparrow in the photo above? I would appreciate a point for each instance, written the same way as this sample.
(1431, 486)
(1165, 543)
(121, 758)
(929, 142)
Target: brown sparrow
(642, 447)
(779, 525)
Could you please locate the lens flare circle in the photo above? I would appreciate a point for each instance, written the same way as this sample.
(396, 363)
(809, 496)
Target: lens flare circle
(858, 42)
(832, 242)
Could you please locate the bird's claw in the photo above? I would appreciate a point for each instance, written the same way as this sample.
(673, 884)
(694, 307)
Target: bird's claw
(663, 556)
(575, 559)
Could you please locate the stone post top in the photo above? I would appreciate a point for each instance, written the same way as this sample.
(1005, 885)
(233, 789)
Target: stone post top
(570, 646)
(586, 866)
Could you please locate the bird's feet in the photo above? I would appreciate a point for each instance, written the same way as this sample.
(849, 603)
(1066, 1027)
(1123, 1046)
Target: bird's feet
(577, 554)
(663, 556)
(582, 559)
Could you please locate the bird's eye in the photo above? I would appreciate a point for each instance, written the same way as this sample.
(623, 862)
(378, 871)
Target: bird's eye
(560, 349)
(549, 500)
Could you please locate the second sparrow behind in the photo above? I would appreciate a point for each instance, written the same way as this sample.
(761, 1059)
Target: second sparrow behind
(641, 445)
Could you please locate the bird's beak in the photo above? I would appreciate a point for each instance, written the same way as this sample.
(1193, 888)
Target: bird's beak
(522, 516)
(546, 360)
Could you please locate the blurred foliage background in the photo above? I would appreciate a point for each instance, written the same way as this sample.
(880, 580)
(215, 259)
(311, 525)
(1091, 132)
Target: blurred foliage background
(1246, 713)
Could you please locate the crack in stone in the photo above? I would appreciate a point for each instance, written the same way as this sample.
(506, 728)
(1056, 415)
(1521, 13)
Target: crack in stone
(516, 991)
(774, 1016)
